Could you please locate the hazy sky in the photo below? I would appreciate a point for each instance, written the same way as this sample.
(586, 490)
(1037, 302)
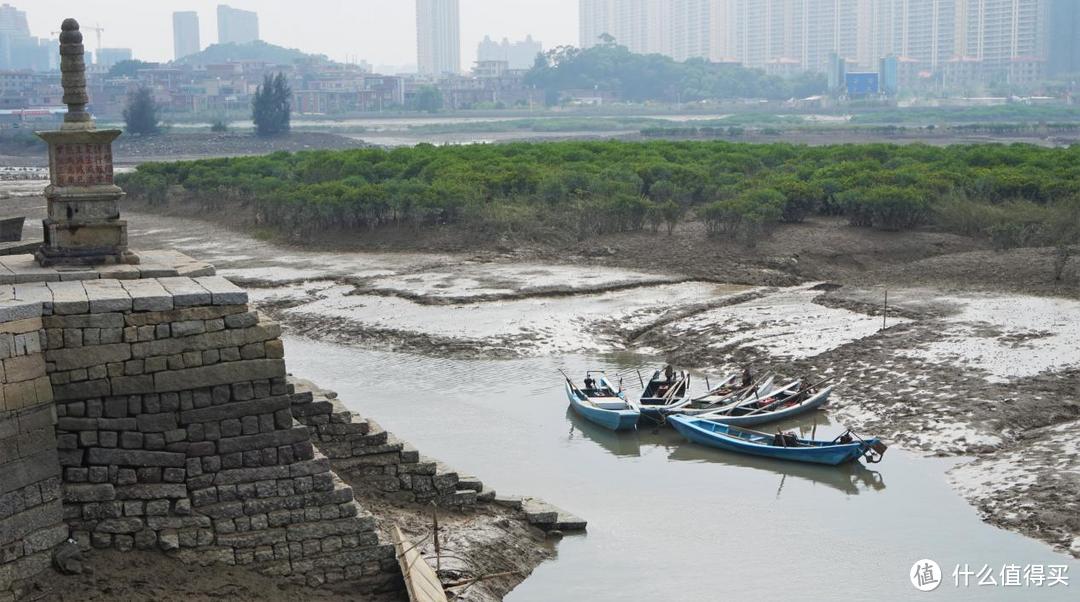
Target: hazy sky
(382, 32)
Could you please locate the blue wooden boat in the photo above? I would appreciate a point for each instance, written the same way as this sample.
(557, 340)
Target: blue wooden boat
(602, 405)
(782, 447)
(779, 405)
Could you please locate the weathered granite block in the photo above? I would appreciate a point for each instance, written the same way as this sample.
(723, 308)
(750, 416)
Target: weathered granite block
(218, 374)
(222, 291)
(124, 457)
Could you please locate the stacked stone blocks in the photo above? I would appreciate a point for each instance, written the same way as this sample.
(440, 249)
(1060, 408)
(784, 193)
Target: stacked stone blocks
(174, 431)
(376, 460)
(30, 505)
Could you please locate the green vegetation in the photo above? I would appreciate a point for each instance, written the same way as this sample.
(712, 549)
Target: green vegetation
(258, 50)
(270, 108)
(654, 77)
(140, 114)
(1016, 195)
(129, 68)
(428, 98)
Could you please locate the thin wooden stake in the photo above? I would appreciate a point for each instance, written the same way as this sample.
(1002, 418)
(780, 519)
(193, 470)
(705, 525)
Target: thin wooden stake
(885, 314)
(435, 531)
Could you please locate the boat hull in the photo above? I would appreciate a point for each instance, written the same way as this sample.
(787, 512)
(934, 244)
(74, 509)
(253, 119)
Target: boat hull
(811, 404)
(700, 431)
(615, 420)
(657, 412)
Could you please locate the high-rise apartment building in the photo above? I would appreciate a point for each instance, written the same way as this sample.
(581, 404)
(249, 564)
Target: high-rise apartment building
(107, 57)
(787, 35)
(438, 37)
(517, 55)
(800, 33)
(999, 31)
(13, 21)
(185, 28)
(1063, 52)
(922, 31)
(691, 29)
(18, 49)
(643, 26)
(236, 26)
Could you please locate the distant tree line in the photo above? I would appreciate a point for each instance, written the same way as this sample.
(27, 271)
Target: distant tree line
(1017, 195)
(271, 109)
(644, 77)
(141, 113)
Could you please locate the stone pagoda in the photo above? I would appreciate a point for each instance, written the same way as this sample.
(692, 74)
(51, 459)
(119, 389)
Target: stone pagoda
(83, 226)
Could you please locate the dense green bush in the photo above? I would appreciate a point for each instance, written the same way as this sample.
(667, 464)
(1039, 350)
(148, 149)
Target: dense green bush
(800, 198)
(888, 207)
(584, 188)
(745, 217)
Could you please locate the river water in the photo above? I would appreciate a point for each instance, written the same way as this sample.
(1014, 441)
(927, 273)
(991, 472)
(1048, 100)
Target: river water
(669, 520)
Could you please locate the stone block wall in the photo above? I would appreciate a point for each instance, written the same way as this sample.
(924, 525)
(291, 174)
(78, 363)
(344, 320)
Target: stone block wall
(31, 517)
(174, 431)
(372, 458)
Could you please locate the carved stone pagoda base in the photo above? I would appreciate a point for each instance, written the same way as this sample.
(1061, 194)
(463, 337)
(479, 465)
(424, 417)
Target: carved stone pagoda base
(83, 226)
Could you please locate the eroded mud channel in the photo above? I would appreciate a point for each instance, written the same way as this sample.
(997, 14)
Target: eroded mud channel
(977, 393)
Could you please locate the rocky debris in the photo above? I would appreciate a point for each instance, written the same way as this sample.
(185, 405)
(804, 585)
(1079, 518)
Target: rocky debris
(68, 558)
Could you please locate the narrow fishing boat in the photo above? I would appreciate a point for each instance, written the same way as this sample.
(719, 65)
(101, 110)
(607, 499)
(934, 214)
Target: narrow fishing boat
(600, 403)
(782, 446)
(665, 391)
(724, 397)
(780, 405)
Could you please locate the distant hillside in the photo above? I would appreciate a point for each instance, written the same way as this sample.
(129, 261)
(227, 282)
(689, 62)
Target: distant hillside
(252, 51)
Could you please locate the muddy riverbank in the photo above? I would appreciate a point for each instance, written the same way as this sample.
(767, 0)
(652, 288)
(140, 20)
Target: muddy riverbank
(179, 146)
(820, 249)
(975, 360)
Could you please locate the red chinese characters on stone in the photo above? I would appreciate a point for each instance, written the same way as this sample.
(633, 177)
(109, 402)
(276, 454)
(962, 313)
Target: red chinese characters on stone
(82, 164)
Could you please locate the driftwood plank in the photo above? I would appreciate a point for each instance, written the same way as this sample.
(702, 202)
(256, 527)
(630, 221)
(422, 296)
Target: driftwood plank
(420, 579)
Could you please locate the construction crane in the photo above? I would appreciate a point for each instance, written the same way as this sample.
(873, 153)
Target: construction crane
(97, 29)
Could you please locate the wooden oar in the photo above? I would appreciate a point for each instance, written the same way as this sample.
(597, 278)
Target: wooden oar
(741, 397)
(573, 387)
(736, 393)
(725, 383)
(779, 401)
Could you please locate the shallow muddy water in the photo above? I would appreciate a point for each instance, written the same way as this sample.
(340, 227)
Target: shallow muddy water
(669, 520)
